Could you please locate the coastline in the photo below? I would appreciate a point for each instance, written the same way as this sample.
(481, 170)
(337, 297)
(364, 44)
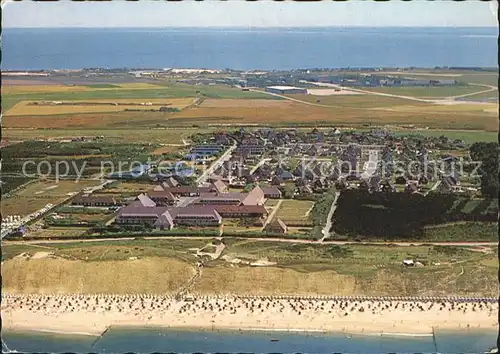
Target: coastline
(63, 314)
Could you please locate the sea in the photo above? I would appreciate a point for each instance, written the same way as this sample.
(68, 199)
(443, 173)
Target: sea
(247, 48)
(151, 340)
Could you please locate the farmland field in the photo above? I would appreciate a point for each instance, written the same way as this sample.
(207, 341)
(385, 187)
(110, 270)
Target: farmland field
(361, 101)
(466, 136)
(69, 107)
(38, 194)
(165, 136)
(12, 94)
(298, 113)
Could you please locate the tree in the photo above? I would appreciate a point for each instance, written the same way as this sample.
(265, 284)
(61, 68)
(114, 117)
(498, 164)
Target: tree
(288, 191)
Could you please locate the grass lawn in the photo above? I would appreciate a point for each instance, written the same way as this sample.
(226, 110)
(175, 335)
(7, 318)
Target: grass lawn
(467, 136)
(38, 194)
(294, 210)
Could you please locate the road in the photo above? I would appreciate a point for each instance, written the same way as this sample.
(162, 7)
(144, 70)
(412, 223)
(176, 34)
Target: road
(271, 216)
(261, 162)
(434, 187)
(446, 100)
(269, 239)
(224, 157)
(328, 226)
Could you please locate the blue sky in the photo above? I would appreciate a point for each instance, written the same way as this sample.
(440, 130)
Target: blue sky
(237, 13)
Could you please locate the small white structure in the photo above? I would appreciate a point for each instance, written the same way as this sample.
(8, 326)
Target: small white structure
(408, 262)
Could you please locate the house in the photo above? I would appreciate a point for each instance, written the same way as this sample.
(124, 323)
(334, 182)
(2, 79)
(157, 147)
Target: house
(170, 182)
(238, 211)
(195, 215)
(401, 180)
(94, 201)
(219, 186)
(286, 176)
(162, 198)
(144, 211)
(278, 227)
(276, 181)
(254, 197)
(271, 192)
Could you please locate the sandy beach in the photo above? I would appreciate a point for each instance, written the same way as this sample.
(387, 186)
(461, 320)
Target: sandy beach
(93, 314)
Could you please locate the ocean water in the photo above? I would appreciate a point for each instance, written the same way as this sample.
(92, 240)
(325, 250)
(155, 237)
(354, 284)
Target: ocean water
(218, 48)
(149, 340)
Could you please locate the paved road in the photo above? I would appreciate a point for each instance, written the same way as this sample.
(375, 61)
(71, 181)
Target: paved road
(224, 157)
(328, 226)
(268, 239)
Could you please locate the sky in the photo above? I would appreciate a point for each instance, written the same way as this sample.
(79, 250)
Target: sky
(237, 13)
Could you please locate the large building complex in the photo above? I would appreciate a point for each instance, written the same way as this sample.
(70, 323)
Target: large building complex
(283, 90)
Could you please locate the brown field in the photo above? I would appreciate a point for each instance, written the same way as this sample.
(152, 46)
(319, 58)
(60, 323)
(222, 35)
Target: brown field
(351, 110)
(36, 195)
(158, 275)
(167, 149)
(248, 103)
(27, 107)
(159, 136)
(13, 87)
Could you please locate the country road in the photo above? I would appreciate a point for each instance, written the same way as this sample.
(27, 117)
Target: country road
(271, 216)
(224, 157)
(267, 239)
(328, 226)
(443, 100)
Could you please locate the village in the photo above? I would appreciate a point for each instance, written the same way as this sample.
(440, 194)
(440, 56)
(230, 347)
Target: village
(258, 182)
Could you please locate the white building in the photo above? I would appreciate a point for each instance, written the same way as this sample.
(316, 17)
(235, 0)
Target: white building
(286, 90)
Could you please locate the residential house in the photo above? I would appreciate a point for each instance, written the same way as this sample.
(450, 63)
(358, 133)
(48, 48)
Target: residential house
(271, 192)
(278, 227)
(162, 198)
(94, 201)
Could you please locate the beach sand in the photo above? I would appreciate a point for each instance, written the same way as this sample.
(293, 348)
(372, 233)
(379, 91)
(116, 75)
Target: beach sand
(93, 314)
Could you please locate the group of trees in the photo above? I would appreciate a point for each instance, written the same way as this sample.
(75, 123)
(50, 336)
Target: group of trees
(384, 215)
(487, 154)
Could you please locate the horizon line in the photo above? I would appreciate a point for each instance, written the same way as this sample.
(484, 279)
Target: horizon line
(247, 27)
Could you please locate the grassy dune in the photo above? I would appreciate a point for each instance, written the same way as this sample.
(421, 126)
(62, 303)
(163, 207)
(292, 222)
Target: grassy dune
(165, 265)
(119, 277)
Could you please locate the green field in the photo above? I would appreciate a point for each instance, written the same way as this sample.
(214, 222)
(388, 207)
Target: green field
(171, 91)
(467, 231)
(466, 136)
(294, 210)
(160, 136)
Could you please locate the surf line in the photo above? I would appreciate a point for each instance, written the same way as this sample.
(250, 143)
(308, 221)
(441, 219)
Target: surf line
(101, 335)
